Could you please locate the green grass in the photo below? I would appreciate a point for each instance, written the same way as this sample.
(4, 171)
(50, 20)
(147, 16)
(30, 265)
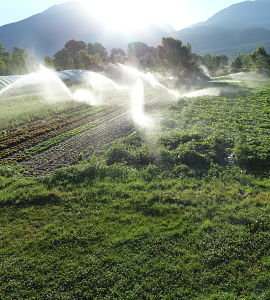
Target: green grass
(242, 123)
(102, 232)
(183, 216)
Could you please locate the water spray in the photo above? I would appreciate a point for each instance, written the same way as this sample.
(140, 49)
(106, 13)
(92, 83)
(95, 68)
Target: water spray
(44, 81)
(137, 106)
(149, 78)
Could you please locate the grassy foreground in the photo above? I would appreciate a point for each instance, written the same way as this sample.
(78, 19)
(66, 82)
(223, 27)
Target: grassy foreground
(182, 216)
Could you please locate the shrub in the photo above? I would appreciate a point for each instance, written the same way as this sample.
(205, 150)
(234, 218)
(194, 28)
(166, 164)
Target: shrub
(174, 138)
(250, 158)
(141, 157)
(192, 159)
(150, 173)
(118, 154)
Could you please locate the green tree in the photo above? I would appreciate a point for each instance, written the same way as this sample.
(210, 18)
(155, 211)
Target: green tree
(97, 48)
(137, 50)
(147, 61)
(74, 46)
(243, 63)
(175, 55)
(96, 62)
(49, 62)
(180, 60)
(70, 64)
(6, 57)
(237, 63)
(260, 59)
(2, 66)
(20, 61)
(82, 58)
(86, 61)
(216, 64)
(118, 55)
(63, 59)
(75, 55)
(2, 50)
(66, 57)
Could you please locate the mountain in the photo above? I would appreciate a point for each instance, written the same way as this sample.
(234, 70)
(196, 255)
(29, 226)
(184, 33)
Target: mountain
(238, 28)
(241, 15)
(219, 40)
(46, 33)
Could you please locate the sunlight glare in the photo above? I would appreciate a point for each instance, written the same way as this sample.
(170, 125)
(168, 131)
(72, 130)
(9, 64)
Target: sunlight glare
(126, 16)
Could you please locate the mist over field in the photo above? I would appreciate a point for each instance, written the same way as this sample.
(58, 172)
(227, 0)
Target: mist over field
(135, 159)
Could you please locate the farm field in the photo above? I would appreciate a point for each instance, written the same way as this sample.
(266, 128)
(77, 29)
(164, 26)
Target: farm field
(177, 212)
(65, 132)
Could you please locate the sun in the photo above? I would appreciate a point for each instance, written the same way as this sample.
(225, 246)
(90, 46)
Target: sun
(124, 15)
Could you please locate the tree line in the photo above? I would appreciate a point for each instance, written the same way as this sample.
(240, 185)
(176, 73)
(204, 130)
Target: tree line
(170, 57)
(16, 62)
(257, 61)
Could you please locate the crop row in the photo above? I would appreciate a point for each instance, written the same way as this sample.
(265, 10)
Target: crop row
(47, 142)
(46, 131)
(72, 135)
(41, 127)
(32, 126)
(82, 144)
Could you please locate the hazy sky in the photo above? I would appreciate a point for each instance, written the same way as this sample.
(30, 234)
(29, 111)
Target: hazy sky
(180, 13)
